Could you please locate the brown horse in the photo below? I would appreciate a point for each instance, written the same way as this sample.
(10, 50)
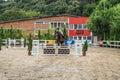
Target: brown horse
(59, 38)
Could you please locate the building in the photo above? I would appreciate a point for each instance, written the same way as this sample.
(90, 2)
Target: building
(78, 29)
(76, 26)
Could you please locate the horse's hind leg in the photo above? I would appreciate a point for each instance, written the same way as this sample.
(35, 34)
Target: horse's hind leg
(58, 43)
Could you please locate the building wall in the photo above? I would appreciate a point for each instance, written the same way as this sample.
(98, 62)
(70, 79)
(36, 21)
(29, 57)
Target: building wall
(74, 32)
(28, 25)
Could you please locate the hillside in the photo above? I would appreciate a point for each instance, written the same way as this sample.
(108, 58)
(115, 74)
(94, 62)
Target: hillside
(47, 7)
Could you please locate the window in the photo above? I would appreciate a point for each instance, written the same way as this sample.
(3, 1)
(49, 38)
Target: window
(39, 22)
(59, 25)
(55, 25)
(71, 26)
(75, 26)
(62, 24)
(75, 38)
(79, 26)
(89, 38)
(46, 22)
(84, 26)
(84, 38)
(66, 25)
(71, 38)
(79, 38)
(52, 25)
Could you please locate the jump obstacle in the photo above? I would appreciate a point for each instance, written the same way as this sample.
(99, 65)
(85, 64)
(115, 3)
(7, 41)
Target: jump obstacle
(53, 49)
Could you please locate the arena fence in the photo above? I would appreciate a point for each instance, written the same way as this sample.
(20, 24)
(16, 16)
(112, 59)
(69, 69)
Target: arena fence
(113, 44)
(13, 42)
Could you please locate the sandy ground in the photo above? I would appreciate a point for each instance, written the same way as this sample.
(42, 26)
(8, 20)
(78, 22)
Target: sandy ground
(99, 64)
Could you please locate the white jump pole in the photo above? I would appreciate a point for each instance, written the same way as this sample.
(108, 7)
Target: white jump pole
(14, 42)
(22, 42)
(9, 43)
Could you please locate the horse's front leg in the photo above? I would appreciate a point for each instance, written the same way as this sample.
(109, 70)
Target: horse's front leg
(58, 43)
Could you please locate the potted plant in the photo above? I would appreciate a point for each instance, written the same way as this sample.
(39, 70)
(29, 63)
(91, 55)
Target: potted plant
(29, 44)
(0, 43)
(85, 48)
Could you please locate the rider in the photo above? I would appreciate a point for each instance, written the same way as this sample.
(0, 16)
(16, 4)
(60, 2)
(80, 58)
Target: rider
(60, 31)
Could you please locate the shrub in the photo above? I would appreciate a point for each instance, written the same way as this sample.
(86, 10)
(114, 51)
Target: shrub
(0, 43)
(85, 46)
(30, 42)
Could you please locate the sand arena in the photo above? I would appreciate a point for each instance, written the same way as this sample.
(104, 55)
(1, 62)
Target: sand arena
(100, 64)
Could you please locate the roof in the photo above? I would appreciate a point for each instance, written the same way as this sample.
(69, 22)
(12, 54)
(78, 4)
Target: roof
(38, 18)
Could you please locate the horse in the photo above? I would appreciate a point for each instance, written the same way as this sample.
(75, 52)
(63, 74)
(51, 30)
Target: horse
(59, 38)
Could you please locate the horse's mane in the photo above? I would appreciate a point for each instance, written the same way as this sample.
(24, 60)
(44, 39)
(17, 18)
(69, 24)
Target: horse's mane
(59, 34)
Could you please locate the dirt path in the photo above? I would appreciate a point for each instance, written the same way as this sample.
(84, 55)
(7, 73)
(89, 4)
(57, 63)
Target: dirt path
(99, 64)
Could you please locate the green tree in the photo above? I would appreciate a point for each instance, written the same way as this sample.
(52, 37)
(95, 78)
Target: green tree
(50, 7)
(39, 34)
(0, 43)
(17, 14)
(99, 22)
(11, 32)
(85, 48)
(65, 33)
(29, 44)
(48, 37)
(1, 32)
(54, 37)
(88, 9)
(1, 36)
(115, 22)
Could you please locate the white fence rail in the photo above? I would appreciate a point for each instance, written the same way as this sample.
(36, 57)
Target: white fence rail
(115, 44)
